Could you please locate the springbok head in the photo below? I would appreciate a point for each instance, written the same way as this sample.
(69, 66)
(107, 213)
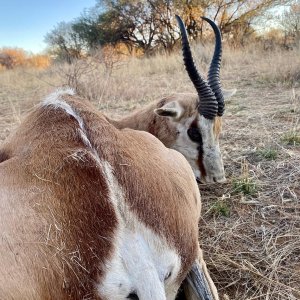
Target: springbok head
(198, 132)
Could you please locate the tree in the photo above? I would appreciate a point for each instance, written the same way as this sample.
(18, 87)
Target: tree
(290, 22)
(132, 22)
(65, 43)
(17, 57)
(236, 17)
(150, 25)
(96, 27)
(12, 57)
(6, 60)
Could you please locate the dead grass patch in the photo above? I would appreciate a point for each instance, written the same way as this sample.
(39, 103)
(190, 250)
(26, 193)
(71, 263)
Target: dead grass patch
(251, 241)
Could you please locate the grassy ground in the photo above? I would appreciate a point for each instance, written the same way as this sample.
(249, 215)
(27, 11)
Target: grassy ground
(250, 228)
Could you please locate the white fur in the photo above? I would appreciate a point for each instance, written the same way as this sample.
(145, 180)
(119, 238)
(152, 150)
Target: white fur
(55, 97)
(55, 100)
(141, 259)
(212, 158)
(185, 145)
(172, 107)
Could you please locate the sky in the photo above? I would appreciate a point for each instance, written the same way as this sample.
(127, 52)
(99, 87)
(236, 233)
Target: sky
(24, 23)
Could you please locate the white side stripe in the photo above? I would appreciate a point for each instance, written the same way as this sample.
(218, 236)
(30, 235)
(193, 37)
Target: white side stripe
(56, 101)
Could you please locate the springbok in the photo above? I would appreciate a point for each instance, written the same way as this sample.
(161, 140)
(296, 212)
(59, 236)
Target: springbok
(90, 211)
(190, 123)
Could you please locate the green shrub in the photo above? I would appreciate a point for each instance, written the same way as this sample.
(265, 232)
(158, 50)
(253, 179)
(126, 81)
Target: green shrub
(269, 154)
(245, 185)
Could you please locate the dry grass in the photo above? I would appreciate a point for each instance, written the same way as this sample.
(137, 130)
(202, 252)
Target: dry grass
(250, 229)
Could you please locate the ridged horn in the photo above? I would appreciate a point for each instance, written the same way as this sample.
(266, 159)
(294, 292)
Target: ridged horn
(208, 105)
(214, 69)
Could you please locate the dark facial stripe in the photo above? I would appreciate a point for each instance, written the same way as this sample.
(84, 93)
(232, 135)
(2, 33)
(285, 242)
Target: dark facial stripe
(152, 127)
(200, 164)
(195, 135)
(3, 156)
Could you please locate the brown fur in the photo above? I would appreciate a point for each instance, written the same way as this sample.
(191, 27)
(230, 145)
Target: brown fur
(217, 126)
(147, 120)
(57, 221)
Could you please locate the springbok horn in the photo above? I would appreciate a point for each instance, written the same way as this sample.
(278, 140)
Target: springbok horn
(214, 69)
(208, 105)
(199, 286)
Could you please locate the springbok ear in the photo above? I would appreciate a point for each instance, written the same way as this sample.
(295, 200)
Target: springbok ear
(171, 109)
(228, 93)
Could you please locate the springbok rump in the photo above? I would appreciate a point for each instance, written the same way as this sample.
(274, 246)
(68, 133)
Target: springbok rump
(89, 211)
(190, 123)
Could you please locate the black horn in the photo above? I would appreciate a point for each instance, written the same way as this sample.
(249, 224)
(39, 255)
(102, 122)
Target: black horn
(214, 69)
(208, 106)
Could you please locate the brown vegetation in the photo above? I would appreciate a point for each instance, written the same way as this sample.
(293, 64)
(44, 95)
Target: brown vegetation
(251, 224)
(15, 57)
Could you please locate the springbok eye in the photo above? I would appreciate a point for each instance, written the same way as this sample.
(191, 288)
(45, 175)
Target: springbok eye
(195, 135)
(133, 296)
(168, 276)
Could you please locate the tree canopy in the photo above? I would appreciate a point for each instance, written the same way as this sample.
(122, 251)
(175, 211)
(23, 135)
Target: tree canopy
(150, 25)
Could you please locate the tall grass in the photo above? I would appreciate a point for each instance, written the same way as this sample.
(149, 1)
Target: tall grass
(139, 80)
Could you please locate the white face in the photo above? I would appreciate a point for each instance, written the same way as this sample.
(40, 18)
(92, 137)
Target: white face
(211, 157)
(200, 146)
(185, 145)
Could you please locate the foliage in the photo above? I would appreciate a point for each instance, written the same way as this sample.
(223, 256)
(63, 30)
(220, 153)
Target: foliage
(291, 138)
(65, 43)
(220, 208)
(245, 184)
(14, 57)
(268, 154)
(150, 25)
(146, 25)
(290, 22)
